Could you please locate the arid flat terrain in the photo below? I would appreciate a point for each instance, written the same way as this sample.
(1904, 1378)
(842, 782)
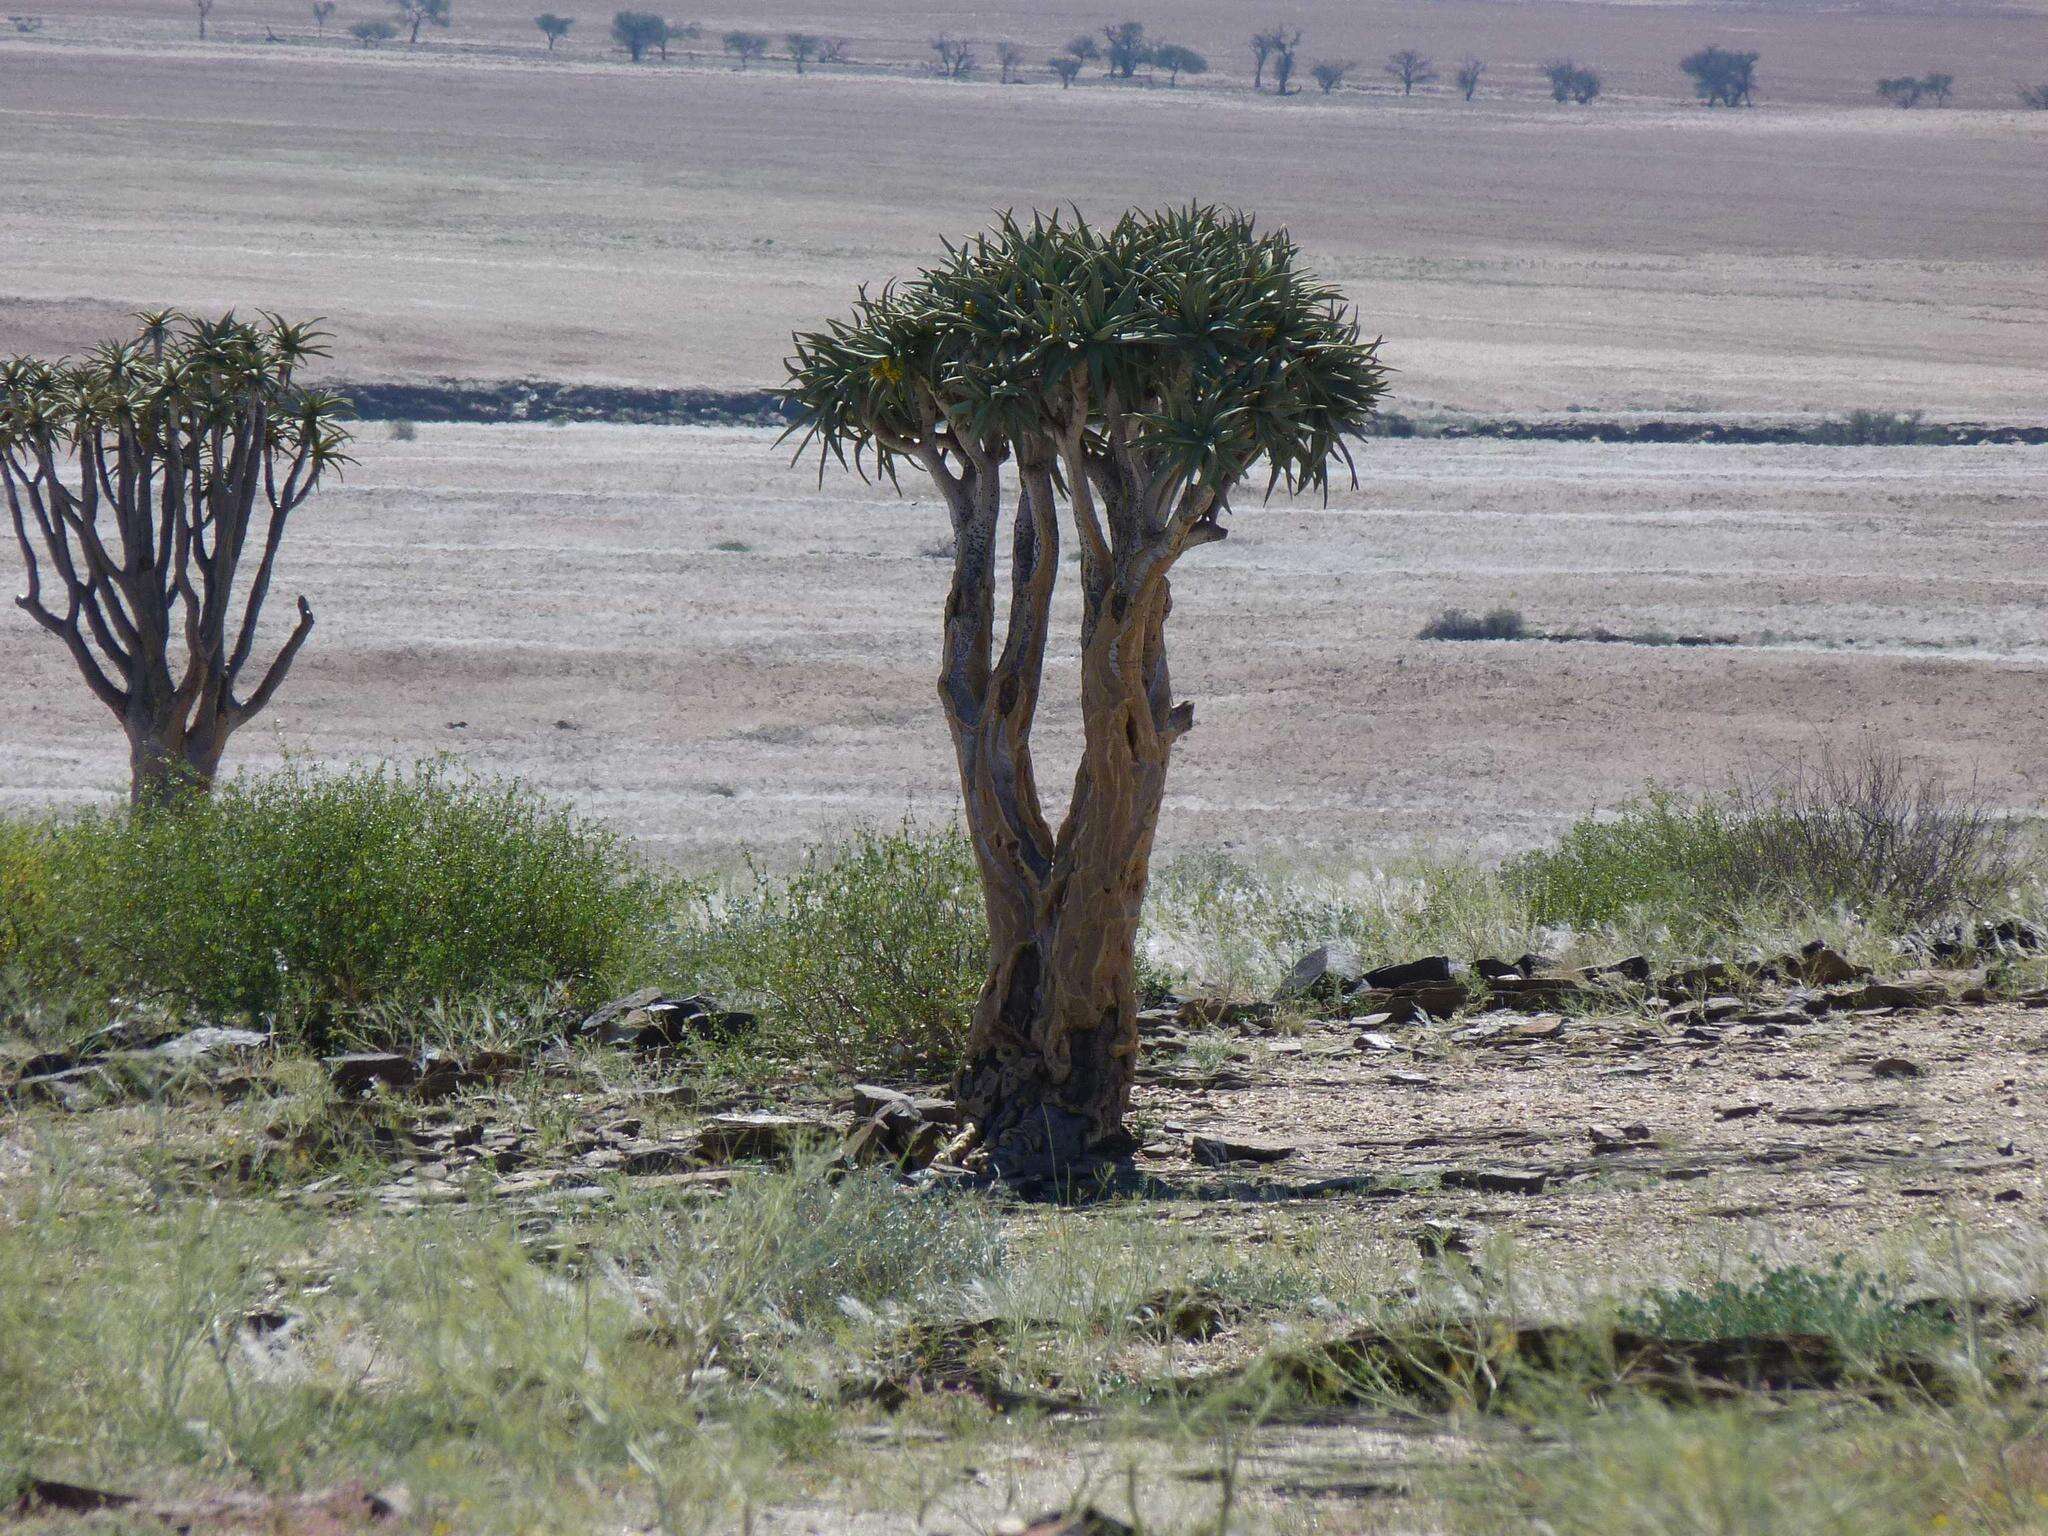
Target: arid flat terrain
(482, 209)
(685, 635)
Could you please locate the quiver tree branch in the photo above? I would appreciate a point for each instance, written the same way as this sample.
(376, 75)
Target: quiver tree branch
(1135, 375)
(137, 481)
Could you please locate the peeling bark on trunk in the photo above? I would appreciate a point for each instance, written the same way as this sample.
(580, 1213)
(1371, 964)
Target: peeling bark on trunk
(1053, 1048)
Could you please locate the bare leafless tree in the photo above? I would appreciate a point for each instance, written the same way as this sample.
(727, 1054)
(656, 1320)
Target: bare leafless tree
(955, 55)
(322, 9)
(205, 9)
(801, 47)
(1468, 77)
(1284, 44)
(137, 481)
(1010, 60)
(745, 47)
(1329, 74)
(1411, 69)
(833, 50)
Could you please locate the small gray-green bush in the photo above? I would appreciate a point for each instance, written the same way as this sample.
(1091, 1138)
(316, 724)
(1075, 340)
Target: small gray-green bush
(1456, 624)
(320, 894)
(1868, 834)
(867, 958)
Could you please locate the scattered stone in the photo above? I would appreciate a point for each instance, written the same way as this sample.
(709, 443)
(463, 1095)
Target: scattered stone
(1884, 994)
(1372, 1040)
(1411, 1080)
(1838, 1114)
(1431, 970)
(1625, 1138)
(1437, 1237)
(352, 1074)
(1703, 980)
(1212, 1012)
(1327, 971)
(1215, 1151)
(762, 1137)
(1086, 1521)
(1532, 994)
(1635, 969)
(1545, 1027)
(1739, 1111)
(1818, 965)
(1431, 1000)
(1192, 1313)
(1497, 1181)
(1896, 1066)
(211, 1044)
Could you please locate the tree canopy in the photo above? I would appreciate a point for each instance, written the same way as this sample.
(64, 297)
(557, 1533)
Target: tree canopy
(1189, 332)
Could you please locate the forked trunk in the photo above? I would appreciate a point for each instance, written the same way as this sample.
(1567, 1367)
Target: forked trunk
(1053, 1049)
(1054, 1045)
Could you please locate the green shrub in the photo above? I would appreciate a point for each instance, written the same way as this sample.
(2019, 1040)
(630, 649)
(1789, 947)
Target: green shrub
(868, 958)
(325, 893)
(1836, 1303)
(24, 889)
(1880, 429)
(1660, 855)
(1869, 834)
(1494, 624)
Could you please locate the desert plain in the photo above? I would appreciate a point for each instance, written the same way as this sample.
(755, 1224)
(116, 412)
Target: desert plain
(477, 208)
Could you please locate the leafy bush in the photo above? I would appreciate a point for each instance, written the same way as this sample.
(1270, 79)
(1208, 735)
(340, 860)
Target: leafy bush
(24, 888)
(869, 957)
(1836, 1303)
(1879, 429)
(1457, 624)
(1870, 835)
(328, 892)
(797, 1248)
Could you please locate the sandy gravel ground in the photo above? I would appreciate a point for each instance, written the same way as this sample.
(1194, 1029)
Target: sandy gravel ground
(686, 636)
(483, 210)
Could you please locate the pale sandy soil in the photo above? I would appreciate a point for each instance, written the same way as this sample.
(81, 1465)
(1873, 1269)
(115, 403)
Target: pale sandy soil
(559, 593)
(481, 209)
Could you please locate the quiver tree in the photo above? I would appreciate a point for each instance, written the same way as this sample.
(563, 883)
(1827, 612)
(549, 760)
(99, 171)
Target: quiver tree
(139, 480)
(1125, 381)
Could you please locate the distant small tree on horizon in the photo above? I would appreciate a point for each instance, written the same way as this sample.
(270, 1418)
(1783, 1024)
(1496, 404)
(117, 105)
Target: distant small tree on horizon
(1178, 59)
(956, 56)
(423, 13)
(205, 9)
(371, 33)
(1329, 74)
(1468, 76)
(1570, 81)
(638, 31)
(1722, 77)
(1264, 45)
(1940, 85)
(2034, 97)
(1411, 69)
(1902, 90)
(1284, 44)
(1066, 66)
(1125, 48)
(801, 46)
(745, 47)
(554, 28)
(322, 9)
(1084, 48)
(1009, 60)
(833, 50)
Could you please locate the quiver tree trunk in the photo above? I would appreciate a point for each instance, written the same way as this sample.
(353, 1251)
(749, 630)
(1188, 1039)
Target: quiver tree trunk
(1054, 1042)
(139, 482)
(1135, 375)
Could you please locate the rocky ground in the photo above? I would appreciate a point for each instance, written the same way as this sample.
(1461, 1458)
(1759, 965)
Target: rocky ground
(1503, 1124)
